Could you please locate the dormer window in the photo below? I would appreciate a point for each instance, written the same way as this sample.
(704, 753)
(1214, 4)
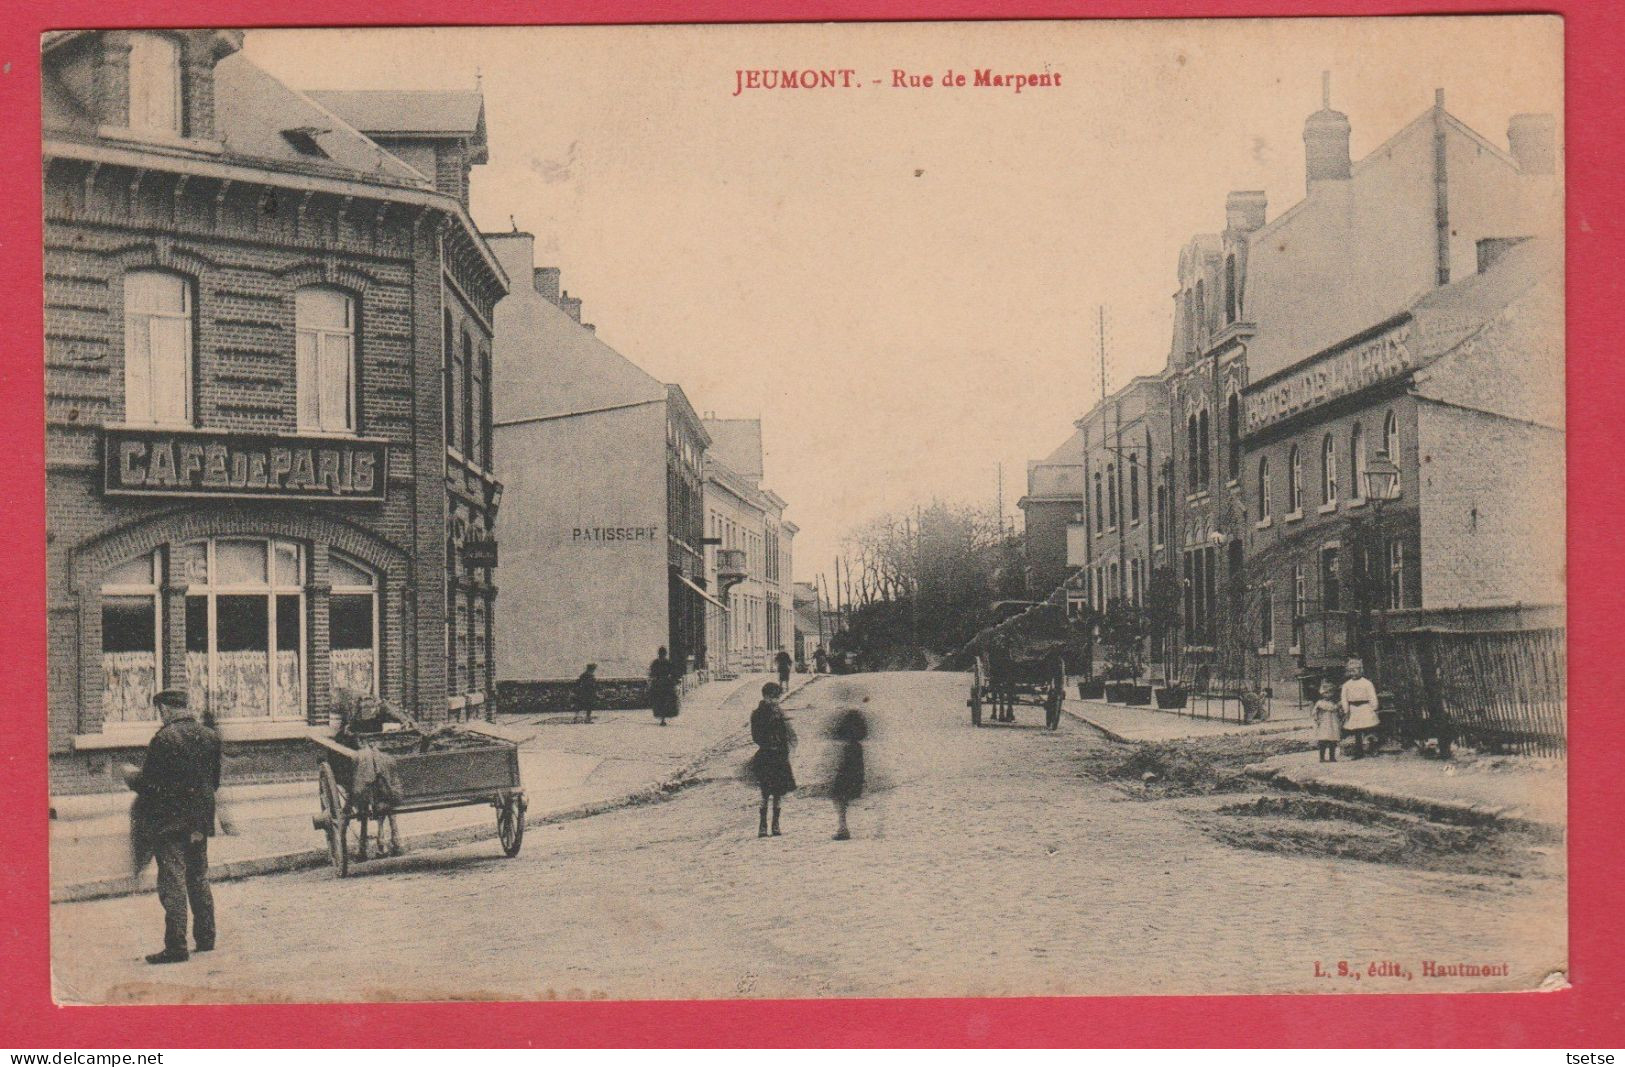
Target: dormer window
(303, 140)
(155, 84)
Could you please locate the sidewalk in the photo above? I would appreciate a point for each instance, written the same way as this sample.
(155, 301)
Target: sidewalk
(1126, 724)
(569, 771)
(1524, 790)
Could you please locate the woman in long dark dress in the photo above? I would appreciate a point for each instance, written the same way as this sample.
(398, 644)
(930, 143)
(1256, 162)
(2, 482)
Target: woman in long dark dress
(771, 765)
(663, 678)
(851, 728)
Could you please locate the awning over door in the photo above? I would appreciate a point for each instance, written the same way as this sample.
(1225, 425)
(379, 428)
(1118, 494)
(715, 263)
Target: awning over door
(681, 577)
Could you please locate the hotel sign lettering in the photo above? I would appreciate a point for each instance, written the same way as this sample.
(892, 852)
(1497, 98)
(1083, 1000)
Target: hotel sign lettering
(1348, 371)
(152, 462)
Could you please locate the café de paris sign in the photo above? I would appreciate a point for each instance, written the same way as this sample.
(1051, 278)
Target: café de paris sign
(1338, 373)
(143, 461)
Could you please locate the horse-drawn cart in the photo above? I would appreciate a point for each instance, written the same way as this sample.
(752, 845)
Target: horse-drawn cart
(1021, 661)
(367, 778)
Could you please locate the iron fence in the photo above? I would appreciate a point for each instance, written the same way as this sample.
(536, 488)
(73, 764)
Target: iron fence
(1501, 690)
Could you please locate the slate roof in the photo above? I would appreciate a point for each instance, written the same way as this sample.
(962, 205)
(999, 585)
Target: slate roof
(411, 113)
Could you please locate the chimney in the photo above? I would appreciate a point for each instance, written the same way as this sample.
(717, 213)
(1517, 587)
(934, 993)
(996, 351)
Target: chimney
(1326, 140)
(1244, 210)
(1533, 140)
(570, 305)
(546, 280)
(1491, 249)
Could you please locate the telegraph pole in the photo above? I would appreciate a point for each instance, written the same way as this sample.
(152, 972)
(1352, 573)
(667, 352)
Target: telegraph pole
(1101, 309)
(1001, 500)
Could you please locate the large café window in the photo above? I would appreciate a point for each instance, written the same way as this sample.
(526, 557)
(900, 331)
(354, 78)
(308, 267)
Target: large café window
(246, 640)
(245, 623)
(131, 640)
(353, 626)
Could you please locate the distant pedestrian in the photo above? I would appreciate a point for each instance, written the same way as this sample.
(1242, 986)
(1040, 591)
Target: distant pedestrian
(173, 818)
(820, 660)
(663, 679)
(770, 767)
(1359, 701)
(850, 730)
(783, 662)
(1328, 721)
(584, 694)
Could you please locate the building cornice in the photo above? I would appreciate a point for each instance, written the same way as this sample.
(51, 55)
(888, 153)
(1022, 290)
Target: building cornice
(181, 161)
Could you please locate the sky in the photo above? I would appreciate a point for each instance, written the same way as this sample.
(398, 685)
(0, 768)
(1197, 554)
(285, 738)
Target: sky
(903, 283)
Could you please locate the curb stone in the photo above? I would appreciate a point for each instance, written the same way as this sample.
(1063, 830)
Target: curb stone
(1439, 810)
(1112, 735)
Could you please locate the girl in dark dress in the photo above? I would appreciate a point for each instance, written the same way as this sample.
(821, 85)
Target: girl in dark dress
(663, 679)
(850, 730)
(770, 767)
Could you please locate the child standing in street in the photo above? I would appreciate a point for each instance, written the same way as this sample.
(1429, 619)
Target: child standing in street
(851, 728)
(770, 767)
(1328, 722)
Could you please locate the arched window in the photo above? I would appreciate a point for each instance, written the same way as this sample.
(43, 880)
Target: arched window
(1390, 436)
(1133, 488)
(1294, 482)
(132, 639)
(325, 364)
(1230, 288)
(352, 626)
(157, 348)
(1111, 494)
(1357, 462)
(155, 83)
(1100, 505)
(1328, 470)
(1201, 312)
(462, 401)
(1205, 452)
(466, 403)
(1233, 434)
(1162, 510)
(1264, 506)
(448, 367)
(1193, 448)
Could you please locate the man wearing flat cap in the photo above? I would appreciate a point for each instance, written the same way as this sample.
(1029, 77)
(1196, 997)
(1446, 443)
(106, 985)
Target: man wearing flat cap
(174, 816)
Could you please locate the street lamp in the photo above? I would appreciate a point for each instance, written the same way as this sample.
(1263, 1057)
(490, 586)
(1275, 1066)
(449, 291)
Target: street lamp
(1381, 480)
(1381, 487)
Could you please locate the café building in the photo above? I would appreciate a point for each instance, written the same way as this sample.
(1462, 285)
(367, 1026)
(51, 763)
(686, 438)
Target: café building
(248, 305)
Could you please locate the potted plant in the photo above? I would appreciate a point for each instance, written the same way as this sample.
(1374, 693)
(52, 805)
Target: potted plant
(1138, 696)
(1172, 697)
(1092, 688)
(1122, 630)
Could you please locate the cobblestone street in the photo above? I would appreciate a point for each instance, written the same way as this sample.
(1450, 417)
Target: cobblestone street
(984, 862)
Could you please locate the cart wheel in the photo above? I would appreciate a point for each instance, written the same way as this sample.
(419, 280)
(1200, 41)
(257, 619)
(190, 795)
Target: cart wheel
(332, 798)
(511, 825)
(975, 700)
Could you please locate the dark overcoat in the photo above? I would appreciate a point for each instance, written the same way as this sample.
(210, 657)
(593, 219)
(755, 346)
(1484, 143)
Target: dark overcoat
(770, 767)
(175, 789)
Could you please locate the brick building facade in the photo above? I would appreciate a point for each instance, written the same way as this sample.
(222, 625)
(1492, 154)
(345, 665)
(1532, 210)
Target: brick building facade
(1407, 273)
(245, 466)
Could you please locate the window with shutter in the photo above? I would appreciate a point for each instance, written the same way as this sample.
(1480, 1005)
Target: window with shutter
(325, 360)
(157, 349)
(155, 84)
